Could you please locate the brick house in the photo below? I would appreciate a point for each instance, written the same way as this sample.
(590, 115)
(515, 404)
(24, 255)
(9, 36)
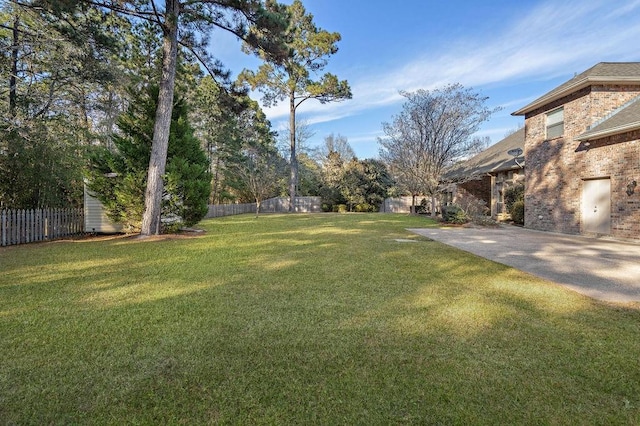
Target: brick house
(582, 148)
(486, 175)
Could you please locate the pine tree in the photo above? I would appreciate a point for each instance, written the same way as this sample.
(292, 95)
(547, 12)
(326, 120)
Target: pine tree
(290, 78)
(118, 177)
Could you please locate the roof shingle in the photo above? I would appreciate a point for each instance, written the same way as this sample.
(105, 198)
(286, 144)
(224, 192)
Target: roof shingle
(493, 159)
(626, 119)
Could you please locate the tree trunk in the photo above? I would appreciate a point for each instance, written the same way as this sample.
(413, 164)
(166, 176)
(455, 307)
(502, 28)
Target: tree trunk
(215, 193)
(433, 205)
(14, 69)
(293, 182)
(158, 160)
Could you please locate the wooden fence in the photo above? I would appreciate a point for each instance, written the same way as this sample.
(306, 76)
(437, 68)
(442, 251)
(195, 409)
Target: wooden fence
(27, 226)
(399, 204)
(403, 204)
(219, 210)
(272, 205)
(301, 205)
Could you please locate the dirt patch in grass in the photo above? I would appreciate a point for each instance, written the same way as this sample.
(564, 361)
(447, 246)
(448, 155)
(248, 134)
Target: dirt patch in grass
(181, 235)
(166, 237)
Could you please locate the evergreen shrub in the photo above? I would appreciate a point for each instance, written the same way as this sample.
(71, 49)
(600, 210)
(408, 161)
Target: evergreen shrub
(517, 212)
(454, 214)
(365, 208)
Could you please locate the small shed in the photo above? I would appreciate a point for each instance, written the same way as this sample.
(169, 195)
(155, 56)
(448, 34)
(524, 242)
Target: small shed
(95, 218)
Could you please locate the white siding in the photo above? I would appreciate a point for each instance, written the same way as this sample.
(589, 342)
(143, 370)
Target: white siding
(95, 219)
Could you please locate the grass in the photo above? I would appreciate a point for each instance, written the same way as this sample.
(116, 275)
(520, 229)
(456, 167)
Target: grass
(303, 319)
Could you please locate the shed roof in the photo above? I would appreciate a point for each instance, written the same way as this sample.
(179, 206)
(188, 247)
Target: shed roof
(496, 158)
(624, 119)
(603, 72)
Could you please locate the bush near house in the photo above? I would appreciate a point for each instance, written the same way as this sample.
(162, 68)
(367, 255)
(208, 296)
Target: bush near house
(514, 202)
(454, 214)
(472, 206)
(517, 212)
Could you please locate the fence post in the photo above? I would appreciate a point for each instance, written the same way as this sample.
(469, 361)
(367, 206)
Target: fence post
(56, 223)
(61, 230)
(3, 227)
(20, 224)
(47, 223)
(27, 227)
(39, 227)
(64, 217)
(12, 226)
(51, 224)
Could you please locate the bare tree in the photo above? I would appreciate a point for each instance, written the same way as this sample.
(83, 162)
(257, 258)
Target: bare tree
(260, 172)
(335, 143)
(303, 132)
(433, 130)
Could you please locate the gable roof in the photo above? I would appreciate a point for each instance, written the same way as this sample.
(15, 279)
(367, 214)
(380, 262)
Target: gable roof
(493, 159)
(603, 72)
(624, 119)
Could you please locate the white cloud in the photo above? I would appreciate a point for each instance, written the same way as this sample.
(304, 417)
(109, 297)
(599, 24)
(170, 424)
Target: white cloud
(366, 137)
(551, 40)
(548, 41)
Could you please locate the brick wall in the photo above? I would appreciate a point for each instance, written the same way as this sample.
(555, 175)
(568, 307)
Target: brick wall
(478, 188)
(557, 168)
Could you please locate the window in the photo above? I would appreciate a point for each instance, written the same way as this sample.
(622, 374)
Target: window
(555, 123)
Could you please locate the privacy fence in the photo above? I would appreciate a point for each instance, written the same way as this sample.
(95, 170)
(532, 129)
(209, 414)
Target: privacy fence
(27, 226)
(272, 205)
(399, 204)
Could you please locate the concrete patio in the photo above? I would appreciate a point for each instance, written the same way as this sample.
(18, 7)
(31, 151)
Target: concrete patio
(601, 268)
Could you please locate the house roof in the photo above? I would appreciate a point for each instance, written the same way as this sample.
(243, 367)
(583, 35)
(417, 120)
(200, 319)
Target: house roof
(496, 158)
(603, 72)
(624, 119)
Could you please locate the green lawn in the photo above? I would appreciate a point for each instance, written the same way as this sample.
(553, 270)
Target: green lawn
(303, 319)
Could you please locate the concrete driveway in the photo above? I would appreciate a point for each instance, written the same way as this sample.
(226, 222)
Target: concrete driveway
(600, 268)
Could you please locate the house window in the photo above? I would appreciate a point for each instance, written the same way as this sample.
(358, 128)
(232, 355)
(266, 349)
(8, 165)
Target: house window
(555, 123)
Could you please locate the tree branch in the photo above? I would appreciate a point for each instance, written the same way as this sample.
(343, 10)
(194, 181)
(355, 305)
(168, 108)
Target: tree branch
(157, 15)
(147, 16)
(202, 61)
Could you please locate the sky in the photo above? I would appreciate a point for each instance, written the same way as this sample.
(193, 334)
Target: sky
(509, 51)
